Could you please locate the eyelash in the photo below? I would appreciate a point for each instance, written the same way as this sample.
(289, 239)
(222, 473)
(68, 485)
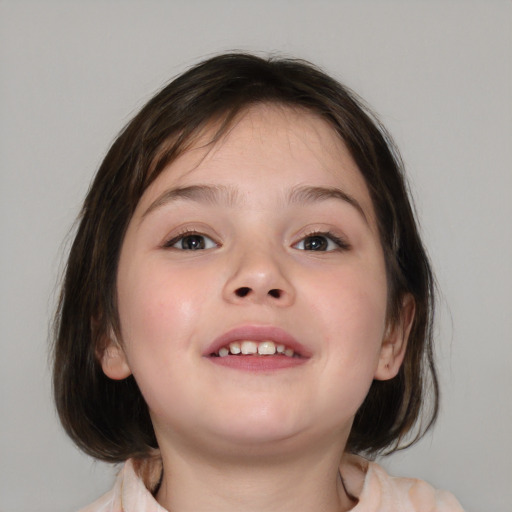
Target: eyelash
(183, 235)
(341, 244)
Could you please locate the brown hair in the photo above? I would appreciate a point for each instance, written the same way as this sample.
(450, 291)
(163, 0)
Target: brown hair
(109, 419)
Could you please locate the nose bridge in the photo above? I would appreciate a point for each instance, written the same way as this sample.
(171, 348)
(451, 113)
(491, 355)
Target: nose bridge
(259, 275)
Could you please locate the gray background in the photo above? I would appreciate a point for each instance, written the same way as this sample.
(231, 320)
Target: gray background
(440, 75)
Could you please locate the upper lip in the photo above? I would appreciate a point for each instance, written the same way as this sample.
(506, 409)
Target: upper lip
(256, 333)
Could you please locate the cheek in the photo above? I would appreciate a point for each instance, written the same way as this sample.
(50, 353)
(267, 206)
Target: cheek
(352, 308)
(159, 314)
(352, 298)
(347, 306)
(156, 305)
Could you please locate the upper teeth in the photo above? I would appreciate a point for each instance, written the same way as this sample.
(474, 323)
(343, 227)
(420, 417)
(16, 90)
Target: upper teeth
(254, 347)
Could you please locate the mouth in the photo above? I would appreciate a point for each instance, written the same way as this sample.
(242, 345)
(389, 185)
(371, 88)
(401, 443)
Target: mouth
(257, 348)
(249, 347)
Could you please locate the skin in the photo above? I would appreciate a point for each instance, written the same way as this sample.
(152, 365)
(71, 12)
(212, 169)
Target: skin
(242, 440)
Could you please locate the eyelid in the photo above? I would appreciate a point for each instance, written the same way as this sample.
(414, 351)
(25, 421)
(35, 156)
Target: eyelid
(173, 239)
(340, 241)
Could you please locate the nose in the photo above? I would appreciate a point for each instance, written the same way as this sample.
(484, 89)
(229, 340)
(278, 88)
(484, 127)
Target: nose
(258, 277)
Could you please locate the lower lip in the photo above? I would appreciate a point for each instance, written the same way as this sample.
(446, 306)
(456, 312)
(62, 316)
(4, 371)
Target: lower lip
(258, 363)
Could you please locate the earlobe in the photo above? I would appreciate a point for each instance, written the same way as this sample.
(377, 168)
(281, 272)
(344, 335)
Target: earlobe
(113, 361)
(394, 344)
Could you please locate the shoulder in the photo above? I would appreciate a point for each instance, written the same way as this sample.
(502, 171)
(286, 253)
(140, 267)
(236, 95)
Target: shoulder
(104, 504)
(131, 491)
(111, 501)
(378, 491)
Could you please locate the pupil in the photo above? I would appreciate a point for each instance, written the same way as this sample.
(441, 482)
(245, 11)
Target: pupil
(193, 242)
(316, 243)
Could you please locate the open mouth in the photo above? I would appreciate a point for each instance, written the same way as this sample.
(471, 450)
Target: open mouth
(257, 348)
(248, 347)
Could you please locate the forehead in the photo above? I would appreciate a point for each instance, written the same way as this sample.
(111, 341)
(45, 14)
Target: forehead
(281, 145)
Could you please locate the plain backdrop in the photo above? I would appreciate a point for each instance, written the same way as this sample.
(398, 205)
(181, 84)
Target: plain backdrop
(439, 73)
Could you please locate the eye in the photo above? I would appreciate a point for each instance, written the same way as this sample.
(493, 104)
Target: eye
(321, 242)
(191, 242)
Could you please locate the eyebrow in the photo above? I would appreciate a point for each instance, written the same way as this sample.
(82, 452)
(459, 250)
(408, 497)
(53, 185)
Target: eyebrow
(220, 194)
(213, 194)
(307, 194)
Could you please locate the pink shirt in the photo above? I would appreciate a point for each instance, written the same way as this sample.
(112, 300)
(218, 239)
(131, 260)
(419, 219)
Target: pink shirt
(376, 490)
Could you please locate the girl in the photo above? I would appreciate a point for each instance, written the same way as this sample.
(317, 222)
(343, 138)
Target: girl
(247, 306)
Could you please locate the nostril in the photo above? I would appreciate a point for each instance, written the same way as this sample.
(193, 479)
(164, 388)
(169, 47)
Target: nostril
(243, 291)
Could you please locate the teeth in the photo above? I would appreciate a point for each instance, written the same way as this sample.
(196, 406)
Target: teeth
(267, 348)
(234, 348)
(247, 347)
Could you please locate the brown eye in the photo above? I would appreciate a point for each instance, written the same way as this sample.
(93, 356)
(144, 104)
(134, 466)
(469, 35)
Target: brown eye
(316, 243)
(191, 242)
(319, 242)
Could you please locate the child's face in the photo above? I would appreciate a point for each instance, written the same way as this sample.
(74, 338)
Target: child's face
(276, 240)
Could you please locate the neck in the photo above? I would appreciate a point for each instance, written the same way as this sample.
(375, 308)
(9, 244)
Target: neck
(309, 481)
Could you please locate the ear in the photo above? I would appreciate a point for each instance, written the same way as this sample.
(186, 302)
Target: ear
(113, 360)
(394, 344)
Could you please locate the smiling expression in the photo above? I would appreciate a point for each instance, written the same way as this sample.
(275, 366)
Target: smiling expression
(264, 243)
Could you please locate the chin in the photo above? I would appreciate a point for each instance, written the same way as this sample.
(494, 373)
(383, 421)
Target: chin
(259, 428)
